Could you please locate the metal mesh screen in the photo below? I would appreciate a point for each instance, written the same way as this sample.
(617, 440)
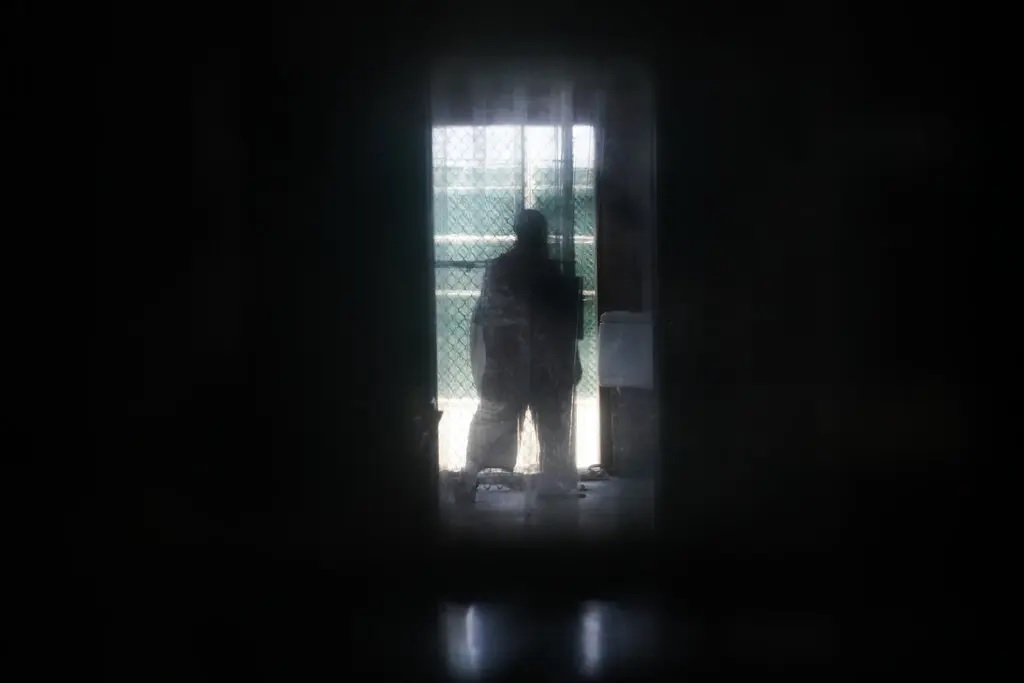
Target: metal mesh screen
(482, 176)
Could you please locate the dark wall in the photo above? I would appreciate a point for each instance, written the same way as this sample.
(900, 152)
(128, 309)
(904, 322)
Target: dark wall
(816, 212)
(816, 177)
(242, 448)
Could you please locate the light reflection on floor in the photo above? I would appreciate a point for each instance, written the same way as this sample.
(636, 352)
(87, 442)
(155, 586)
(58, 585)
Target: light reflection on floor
(643, 639)
(591, 651)
(483, 640)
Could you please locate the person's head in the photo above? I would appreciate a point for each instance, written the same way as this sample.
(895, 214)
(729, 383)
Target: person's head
(531, 230)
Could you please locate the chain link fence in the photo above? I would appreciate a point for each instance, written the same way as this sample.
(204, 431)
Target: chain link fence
(483, 176)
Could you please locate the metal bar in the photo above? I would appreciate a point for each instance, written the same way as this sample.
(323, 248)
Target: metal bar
(461, 264)
(568, 245)
(519, 105)
(522, 169)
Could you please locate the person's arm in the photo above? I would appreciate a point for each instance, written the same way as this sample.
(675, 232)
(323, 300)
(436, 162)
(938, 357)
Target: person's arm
(477, 351)
(564, 291)
(577, 304)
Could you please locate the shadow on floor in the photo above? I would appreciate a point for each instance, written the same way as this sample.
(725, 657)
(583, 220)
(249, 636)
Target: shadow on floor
(608, 509)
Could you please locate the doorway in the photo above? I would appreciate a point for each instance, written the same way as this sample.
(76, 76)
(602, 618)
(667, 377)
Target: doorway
(573, 140)
(483, 175)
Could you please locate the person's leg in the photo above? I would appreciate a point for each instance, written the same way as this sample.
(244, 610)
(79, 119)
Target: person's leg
(552, 415)
(493, 442)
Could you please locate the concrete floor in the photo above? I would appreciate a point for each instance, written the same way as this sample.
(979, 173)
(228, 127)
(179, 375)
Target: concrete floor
(609, 508)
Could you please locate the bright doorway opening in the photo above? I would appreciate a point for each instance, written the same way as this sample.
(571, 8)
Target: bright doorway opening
(482, 177)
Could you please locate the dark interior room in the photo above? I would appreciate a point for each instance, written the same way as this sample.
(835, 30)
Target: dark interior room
(266, 231)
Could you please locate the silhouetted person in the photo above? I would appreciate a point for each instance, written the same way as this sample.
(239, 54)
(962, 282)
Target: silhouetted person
(524, 357)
